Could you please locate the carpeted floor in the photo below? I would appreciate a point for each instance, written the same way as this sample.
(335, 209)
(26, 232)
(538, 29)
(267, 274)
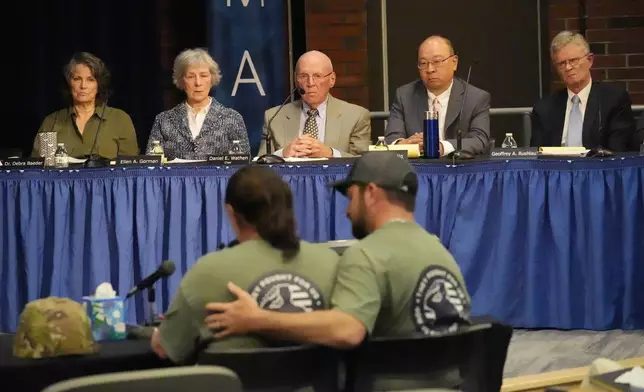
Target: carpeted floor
(538, 351)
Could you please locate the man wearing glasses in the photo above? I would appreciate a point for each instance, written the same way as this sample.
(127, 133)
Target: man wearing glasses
(573, 116)
(318, 125)
(440, 90)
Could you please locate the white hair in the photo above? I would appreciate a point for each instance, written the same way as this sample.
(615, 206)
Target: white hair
(192, 57)
(567, 37)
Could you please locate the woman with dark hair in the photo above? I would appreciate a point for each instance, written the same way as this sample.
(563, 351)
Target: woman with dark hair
(87, 89)
(279, 270)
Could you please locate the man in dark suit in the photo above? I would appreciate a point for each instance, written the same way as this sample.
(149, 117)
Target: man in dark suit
(586, 113)
(439, 89)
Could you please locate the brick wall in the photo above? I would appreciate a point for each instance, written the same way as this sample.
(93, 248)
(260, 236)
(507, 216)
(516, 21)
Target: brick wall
(615, 31)
(339, 29)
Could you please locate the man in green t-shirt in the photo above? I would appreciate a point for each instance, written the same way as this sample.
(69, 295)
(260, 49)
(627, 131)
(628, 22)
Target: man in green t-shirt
(281, 272)
(397, 280)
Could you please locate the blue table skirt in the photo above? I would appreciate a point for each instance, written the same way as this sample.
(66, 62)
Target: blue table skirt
(543, 244)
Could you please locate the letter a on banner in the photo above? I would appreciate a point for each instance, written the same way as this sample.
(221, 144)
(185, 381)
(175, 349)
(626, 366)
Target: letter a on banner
(249, 41)
(254, 79)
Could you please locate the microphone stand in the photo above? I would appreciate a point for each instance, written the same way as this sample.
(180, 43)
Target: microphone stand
(268, 136)
(459, 154)
(95, 160)
(599, 151)
(152, 306)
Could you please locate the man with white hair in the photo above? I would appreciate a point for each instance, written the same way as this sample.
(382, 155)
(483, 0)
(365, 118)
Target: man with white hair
(319, 125)
(586, 113)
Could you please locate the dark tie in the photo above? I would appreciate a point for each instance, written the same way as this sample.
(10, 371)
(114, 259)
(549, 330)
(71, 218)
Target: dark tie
(311, 126)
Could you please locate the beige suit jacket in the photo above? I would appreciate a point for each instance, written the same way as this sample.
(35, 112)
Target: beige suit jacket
(348, 126)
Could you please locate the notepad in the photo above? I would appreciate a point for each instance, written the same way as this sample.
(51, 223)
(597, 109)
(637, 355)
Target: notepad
(413, 150)
(564, 151)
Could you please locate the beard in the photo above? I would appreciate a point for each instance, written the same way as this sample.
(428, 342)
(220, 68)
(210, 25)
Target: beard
(359, 224)
(359, 228)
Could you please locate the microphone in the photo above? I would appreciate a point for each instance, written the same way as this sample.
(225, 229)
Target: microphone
(268, 136)
(229, 245)
(165, 269)
(459, 153)
(600, 152)
(95, 160)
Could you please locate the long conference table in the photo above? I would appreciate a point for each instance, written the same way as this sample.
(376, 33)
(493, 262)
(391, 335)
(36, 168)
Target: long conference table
(543, 243)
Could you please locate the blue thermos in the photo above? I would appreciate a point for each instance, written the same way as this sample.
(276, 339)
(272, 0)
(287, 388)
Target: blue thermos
(430, 135)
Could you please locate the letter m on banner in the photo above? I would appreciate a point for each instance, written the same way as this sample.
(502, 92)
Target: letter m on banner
(249, 41)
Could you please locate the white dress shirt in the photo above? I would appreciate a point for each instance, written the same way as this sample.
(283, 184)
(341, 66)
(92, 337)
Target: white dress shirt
(320, 120)
(583, 102)
(196, 118)
(443, 101)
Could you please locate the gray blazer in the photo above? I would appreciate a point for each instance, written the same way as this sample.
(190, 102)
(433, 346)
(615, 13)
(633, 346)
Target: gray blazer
(348, 126)
(221, 126)
(408, 111)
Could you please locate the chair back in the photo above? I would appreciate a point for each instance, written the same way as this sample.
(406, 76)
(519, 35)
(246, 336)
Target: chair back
(471, 359)
(279, 368)
(187, 378)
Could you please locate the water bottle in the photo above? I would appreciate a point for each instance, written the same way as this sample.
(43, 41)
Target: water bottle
(235, 148)
(430, 135)
(157, 150)
(381, 145)
(509, 141)
(61, 158)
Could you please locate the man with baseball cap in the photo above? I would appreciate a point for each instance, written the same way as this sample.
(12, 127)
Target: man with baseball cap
(397, 280)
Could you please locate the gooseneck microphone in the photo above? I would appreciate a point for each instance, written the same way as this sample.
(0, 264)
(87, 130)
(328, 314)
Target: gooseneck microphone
(459, 153)
(600, 151)
(166, 269)
(95, 160)
(268, 136)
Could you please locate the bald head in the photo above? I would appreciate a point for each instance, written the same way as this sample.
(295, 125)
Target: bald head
(438, 42)
(314, 74)
(314, 58)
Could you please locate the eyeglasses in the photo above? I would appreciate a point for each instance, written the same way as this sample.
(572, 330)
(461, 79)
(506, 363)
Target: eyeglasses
(573, 62)
(315, 77)
(423, 64)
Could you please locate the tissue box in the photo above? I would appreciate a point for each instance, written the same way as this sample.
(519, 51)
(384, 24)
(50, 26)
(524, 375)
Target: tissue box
(107, 316)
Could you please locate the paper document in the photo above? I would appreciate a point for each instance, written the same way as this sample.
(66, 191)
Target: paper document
(634, 377)
(179, 160)
(564, 151)
(413, 150)
(75, 160)
(304, 159)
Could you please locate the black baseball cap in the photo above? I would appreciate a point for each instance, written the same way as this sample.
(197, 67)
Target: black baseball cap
(386, 170)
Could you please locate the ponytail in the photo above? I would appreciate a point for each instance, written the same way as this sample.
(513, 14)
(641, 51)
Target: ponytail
(260, 198)
(277, 227)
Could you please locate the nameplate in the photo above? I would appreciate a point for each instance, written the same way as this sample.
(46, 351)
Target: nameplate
(22, 163)
(139, 160)
(515, 153)
(402, 154)
(229, 159)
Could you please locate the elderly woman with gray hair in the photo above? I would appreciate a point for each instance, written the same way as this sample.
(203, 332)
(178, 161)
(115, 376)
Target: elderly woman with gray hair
(199, 126)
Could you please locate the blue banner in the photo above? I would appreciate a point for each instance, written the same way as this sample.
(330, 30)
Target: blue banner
(249, 41)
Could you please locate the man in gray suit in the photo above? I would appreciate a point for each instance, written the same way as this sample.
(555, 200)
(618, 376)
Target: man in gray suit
(438, 87)
(318, 125)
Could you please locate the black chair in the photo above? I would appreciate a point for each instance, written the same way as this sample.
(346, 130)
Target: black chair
(471, 359)
(279, 369)
(189, 378)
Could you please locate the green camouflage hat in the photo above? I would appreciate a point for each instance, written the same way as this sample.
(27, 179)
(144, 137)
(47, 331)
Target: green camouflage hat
(51, 327)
